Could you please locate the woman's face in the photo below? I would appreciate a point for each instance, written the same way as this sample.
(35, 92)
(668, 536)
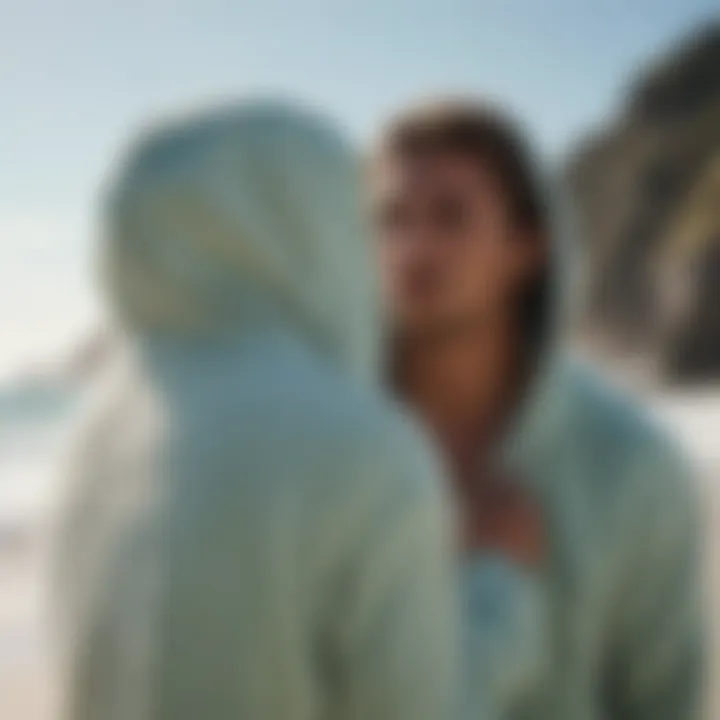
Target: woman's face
(447, 248)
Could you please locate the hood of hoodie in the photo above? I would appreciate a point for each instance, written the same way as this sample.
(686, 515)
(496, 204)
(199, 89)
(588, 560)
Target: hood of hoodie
(241, 220)
(556, 305)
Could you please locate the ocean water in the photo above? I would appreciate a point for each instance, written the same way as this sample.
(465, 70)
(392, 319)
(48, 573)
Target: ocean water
(34, 421)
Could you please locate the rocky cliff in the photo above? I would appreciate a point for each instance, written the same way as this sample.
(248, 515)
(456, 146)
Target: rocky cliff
(647, 190)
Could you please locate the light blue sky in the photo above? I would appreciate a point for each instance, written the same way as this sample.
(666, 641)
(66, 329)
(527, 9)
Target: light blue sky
(76, 76)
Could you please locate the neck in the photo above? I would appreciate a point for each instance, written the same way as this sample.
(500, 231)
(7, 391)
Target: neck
(463, 385)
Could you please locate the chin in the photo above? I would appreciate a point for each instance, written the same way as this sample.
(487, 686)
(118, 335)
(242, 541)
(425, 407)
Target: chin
(424, 327)
(436, 326)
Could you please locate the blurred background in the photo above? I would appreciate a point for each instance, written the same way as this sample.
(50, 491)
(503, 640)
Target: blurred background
(622, 97)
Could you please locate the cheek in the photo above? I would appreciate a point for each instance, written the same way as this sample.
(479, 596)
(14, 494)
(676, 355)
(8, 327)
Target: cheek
(400, 259)
(482, 272)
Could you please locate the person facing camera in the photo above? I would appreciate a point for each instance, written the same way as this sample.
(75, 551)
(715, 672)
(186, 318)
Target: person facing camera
(579, 523)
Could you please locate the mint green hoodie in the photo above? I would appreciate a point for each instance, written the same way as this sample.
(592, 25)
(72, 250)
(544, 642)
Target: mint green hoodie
(252, 533)
(611, 626)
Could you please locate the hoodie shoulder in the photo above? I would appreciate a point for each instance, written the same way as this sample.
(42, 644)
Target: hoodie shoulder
(620, 435)
(310, 419)
(380, 436)
(611, 412)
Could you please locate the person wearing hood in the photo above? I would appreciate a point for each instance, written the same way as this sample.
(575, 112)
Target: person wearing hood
(581, 526)
(252, 531)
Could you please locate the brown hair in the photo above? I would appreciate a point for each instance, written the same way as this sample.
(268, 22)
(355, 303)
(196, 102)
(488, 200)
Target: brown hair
(492, 138)
(480, 132)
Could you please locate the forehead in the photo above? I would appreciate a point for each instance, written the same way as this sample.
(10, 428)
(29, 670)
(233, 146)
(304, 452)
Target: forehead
(429, 173)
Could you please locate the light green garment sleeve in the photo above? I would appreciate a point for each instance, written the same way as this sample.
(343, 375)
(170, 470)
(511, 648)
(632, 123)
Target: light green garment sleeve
(659, 669)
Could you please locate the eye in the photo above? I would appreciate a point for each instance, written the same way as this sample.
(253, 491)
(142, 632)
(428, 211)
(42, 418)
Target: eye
(450, 213)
